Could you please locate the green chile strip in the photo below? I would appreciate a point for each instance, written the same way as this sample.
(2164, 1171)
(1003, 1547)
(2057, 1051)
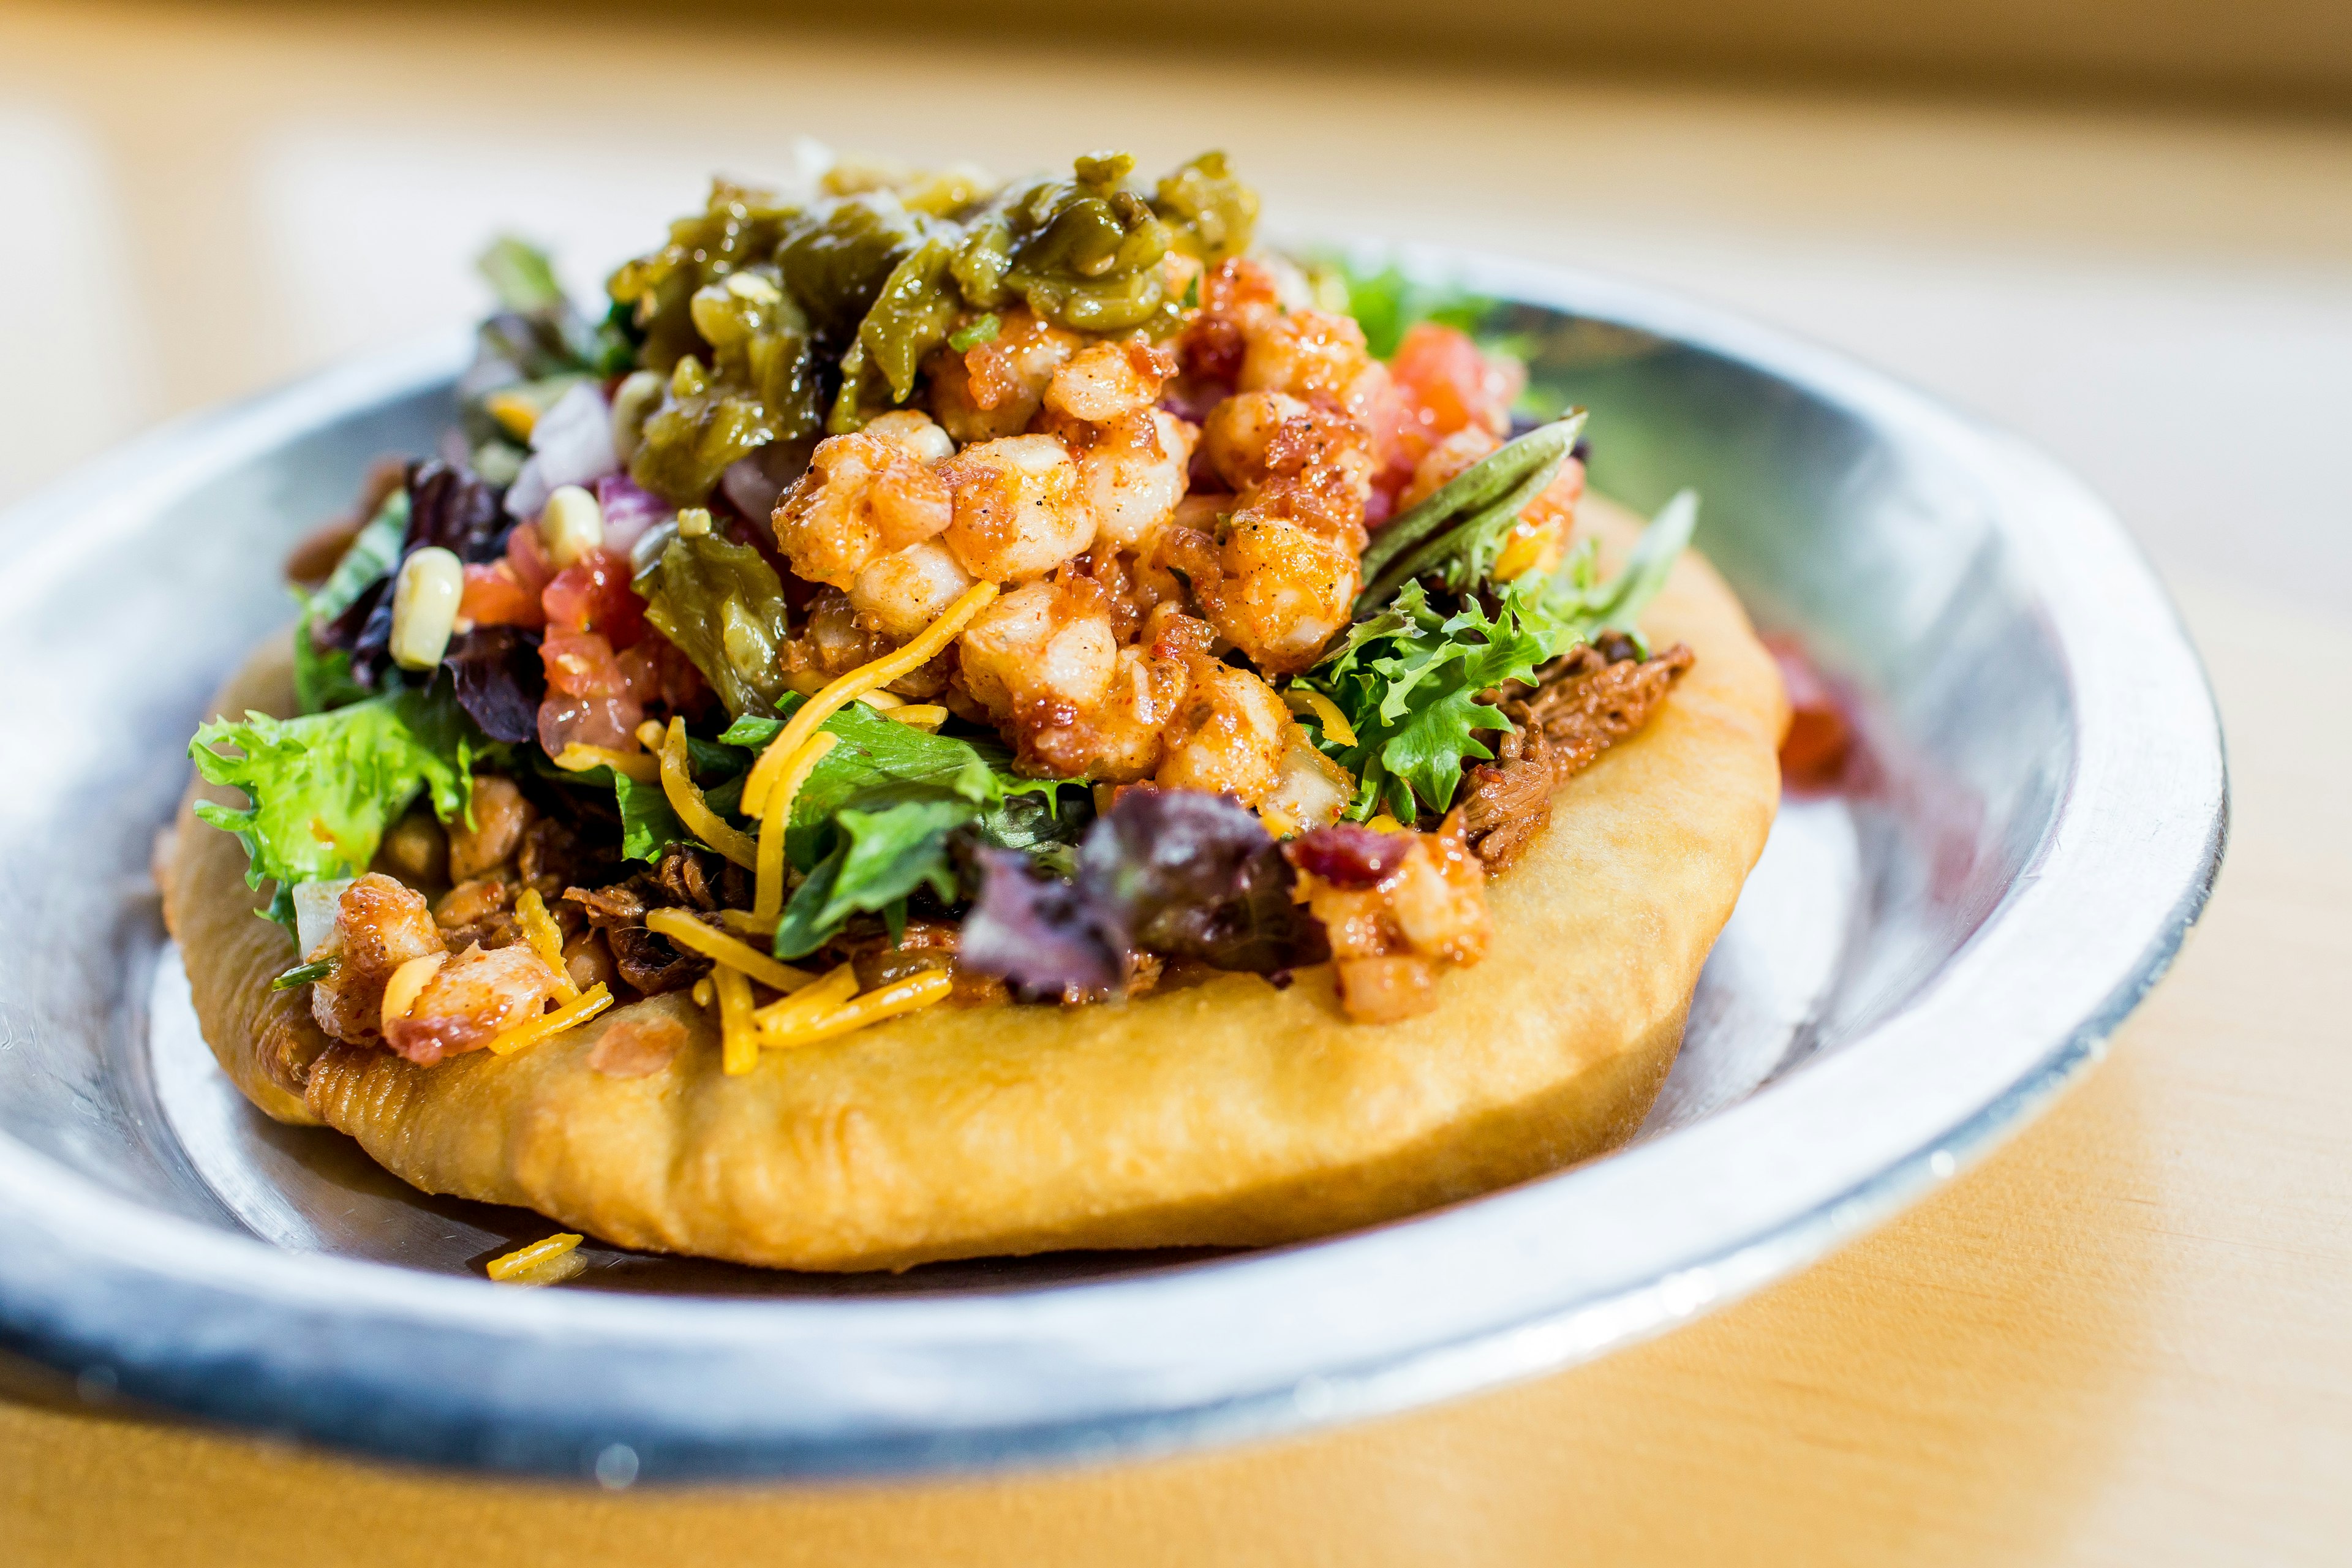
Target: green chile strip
(1461, 525)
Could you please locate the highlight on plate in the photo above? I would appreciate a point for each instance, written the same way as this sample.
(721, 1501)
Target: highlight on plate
(922, 610)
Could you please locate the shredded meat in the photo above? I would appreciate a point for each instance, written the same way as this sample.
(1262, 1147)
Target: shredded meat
(685, 878)
(1583, 702)
(699, 880)
(924, 944)
(648, 961)
(550, 859)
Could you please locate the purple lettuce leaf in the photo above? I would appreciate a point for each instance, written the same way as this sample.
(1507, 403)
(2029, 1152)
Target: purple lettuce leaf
(1037, 931)
(499, 680)
(1179, 873)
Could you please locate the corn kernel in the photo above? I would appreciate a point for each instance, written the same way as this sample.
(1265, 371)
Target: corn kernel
(693, 521)
(518, 416)
(634, 401)
(425, 606)
(572, 528)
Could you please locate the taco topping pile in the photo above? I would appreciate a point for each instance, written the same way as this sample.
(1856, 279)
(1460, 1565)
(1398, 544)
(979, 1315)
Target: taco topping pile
(920, 589)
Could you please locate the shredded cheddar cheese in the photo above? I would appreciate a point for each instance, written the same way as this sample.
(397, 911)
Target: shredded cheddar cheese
(889, 1001)
(540, 929)
(847, 688)
(744, 922)
(1306, 700)
(531, 1031)
(738, 1036)
(407, 982)
(531, 1259)
(925, 716)
(1384, 823)
(809, 1003)
(579, 759)
(881, 702)
(767, 895)
(723, 950)
(702, 993)
(677, 783)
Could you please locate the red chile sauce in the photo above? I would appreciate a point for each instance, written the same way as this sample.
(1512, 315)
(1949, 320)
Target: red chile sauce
(1820, 741)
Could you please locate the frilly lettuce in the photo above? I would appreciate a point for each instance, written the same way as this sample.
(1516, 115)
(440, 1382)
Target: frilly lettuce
(322, 789)
(1410, 677)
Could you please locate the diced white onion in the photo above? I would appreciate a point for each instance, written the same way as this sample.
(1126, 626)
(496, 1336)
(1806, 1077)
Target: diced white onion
(425, 606)
(649, 546)
(746, 483)
(573, 526)
(314, 911)
(571, 444)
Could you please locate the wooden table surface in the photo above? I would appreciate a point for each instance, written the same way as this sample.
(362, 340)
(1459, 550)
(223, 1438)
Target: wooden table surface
(2125, 1338)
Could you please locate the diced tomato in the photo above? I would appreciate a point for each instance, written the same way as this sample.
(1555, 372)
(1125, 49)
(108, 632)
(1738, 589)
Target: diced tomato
(1398, 441)
(528, 557)
(608, 721)
(659, 672)
(592, 595)
(1453, 384)
(494, 597)
(580, 664)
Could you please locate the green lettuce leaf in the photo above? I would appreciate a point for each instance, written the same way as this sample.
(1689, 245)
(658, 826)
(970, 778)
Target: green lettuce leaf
(1386, 303)
(520, 275)
(555, 336)
(1584, 606)
(649, 823)
(878, 760)
(873, 820)
(322, 789)
(648, 826)
(1456, 535)
(879, 857)
(322, 676)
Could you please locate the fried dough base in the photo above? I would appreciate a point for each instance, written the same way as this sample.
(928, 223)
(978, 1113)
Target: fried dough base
(1229, 1114)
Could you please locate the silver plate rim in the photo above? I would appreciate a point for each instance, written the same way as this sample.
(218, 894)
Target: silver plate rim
(451, 1371)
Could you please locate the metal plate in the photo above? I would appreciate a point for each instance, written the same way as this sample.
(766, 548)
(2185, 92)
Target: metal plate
(1914, 967)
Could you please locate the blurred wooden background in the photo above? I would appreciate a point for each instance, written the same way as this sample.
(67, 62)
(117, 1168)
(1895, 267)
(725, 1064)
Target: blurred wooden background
(2260, 52)
(2122, 227)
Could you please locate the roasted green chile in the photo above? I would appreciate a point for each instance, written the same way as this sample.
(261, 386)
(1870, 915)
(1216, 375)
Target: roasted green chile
(779, 321)
(722, 604)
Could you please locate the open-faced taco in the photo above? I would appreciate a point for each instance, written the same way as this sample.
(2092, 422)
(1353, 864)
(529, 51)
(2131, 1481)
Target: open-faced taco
(965, 719)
